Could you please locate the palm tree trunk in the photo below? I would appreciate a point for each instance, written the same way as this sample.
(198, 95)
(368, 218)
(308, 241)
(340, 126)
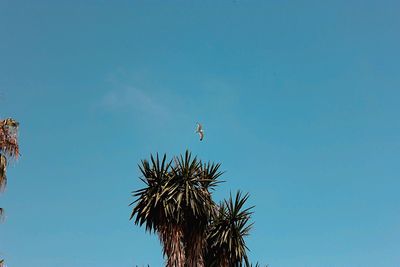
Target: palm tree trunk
(171, 238)
(225, 261)
(194, 250)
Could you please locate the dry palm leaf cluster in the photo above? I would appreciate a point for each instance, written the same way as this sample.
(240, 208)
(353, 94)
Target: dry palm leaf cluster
(8, 146)
(9, 149)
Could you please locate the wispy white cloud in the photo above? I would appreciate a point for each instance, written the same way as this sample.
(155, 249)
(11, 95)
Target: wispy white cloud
(136, 100)
(210, 101)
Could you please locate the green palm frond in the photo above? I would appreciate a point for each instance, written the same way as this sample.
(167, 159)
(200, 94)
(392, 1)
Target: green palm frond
(150, 202)
(191, 196)
(225, 241)
(153, 207)
(210, 175)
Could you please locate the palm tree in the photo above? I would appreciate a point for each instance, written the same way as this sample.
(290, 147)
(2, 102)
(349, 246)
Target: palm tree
(153, 208)
(194, 205)
(177, 204)
(8, 148)
(225, 241)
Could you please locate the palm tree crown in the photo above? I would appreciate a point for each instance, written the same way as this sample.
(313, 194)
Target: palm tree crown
(176, 203)
(225, 241)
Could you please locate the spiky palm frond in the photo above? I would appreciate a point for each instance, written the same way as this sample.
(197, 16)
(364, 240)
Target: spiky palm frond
(177, 204)
(190, 193)
(150, 203)
(194, 205)
(153, 208)
(225, 241)
(210, 175)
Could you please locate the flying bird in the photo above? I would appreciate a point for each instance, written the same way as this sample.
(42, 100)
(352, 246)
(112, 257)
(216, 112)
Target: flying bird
(200, 131)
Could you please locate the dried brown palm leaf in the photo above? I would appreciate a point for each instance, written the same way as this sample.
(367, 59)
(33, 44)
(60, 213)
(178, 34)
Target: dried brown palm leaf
(8, 149)
(3, 169)
(9, 137)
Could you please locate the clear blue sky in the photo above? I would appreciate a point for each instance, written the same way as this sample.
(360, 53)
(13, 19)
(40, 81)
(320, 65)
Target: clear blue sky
(299, 100)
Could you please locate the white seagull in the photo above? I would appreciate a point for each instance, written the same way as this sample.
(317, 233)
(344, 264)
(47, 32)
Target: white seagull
(200, 131)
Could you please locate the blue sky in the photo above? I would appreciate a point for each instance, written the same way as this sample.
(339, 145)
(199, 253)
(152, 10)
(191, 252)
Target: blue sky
(299, 101)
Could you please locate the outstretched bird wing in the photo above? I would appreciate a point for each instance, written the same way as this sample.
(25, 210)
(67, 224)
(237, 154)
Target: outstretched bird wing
(199, 128)
(201, 133)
